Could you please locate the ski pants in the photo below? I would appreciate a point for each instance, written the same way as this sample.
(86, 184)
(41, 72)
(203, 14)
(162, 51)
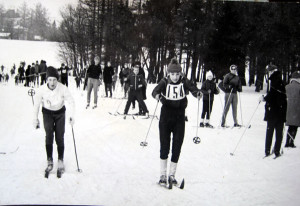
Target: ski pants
(93, 84)
(54, 123)
(277, 125)
(64, 80)
(171, 121)
(206, 110)
(230, 99)
(108, 87)
(135, 95)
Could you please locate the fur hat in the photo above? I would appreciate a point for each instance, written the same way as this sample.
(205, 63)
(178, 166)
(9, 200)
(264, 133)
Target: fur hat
(52, 72)
(174, 66)
(296, 75)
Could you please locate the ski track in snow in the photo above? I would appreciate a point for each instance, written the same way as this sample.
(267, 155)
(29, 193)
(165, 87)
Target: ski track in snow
(118, 171)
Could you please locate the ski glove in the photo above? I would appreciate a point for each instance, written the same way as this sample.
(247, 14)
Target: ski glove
(71, 121)
(36, 123)
(199, 95)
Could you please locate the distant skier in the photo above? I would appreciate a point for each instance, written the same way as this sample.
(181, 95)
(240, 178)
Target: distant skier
(94, 73)
(78, 81)
(293, 109)
(209, 89)
(108, 72)
(232, 84)
(52, 97)
(135, 82)
(275, 110)
(171, 91)
(63, 71)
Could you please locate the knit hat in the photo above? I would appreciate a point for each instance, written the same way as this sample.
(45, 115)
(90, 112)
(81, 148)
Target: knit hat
(296, 75)
(209, 74)
(52, 72)
(271, 67)
(174, 66)
(137, 63)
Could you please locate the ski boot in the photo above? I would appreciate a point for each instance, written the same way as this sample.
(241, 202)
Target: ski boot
(201, 124)
(87, 106)
(163, 180)
(172, 180)
(95, 106)
(60, 168)
(209, 125)
(49, 167)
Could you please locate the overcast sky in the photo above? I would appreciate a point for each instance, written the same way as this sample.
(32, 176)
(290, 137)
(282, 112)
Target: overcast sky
(53, 6)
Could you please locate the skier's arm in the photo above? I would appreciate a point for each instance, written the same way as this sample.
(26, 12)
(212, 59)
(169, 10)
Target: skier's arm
(36, 109)
(193, 88)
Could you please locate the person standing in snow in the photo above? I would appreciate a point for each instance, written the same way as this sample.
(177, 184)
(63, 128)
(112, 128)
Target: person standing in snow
(108, 72)
(171, 92)
(52, 97)
(293, 109)
(275, 110)
(232, 85)
(64, 72)
(94, 73)
(208, 89)
(136, 82)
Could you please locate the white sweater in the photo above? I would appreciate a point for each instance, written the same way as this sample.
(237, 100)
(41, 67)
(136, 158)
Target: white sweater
(53, 99)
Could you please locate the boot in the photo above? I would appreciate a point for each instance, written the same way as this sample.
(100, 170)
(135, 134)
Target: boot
(172, 179)
(60, 165)
(163, 171)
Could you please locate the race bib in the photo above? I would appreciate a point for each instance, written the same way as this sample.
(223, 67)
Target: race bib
(175, 92)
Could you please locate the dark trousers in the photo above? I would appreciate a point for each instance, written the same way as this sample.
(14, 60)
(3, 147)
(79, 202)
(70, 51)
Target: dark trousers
(108, 87)
(171, 121)
(272, 125)
(64, 80)
(135, 95)
(207, 107)
(291, 135)
(54, 123)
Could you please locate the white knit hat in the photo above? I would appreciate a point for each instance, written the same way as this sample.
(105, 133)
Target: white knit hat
(209, 74)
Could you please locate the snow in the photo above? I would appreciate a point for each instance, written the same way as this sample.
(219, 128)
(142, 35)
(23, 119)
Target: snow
(116, 170)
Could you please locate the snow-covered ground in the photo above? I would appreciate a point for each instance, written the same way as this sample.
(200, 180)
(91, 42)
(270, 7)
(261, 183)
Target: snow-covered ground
(118, 171)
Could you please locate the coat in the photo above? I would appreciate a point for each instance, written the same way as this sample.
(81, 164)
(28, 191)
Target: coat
(276, 103)
(206, 86)
(108, 72)
(293, 99)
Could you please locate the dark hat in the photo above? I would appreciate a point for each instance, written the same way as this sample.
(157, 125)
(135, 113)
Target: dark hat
(62, 64)
(296, 75)
(174, 66)
(271, 67)
(137, 63)
(52, 72)
(233, 67)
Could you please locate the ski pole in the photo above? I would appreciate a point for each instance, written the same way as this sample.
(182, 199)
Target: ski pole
(79, 170)
(197, 139)
(241, 108)
(145, 143)
(244, 130)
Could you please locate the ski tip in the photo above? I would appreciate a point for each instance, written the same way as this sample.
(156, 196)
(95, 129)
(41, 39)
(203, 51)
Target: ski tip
(182, 184)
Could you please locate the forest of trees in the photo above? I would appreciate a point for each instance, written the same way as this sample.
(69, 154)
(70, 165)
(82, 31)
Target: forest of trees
(202, 34)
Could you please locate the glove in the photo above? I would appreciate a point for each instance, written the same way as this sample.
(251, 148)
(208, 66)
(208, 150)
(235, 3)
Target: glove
(261, 99)
(157, 97)
(140, 86)
(71, 121)
(199, 95)
(209, 91)
(36, 123)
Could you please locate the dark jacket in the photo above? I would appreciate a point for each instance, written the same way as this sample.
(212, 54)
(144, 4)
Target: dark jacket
(94, 71)
(108, 72)
(232, 82)
(276, 103)
(206, 86)
(173, 95)
(64, 71)
(134, 81)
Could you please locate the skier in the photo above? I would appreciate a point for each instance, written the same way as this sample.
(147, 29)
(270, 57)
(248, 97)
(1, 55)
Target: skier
(135, 82)
(94, 73)
(232, 84)
(208, 90)
(78, 81)
(293, 109)
(52, 97)
(64, 70)
(171, 91)
(108, 72)
(275, 110)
